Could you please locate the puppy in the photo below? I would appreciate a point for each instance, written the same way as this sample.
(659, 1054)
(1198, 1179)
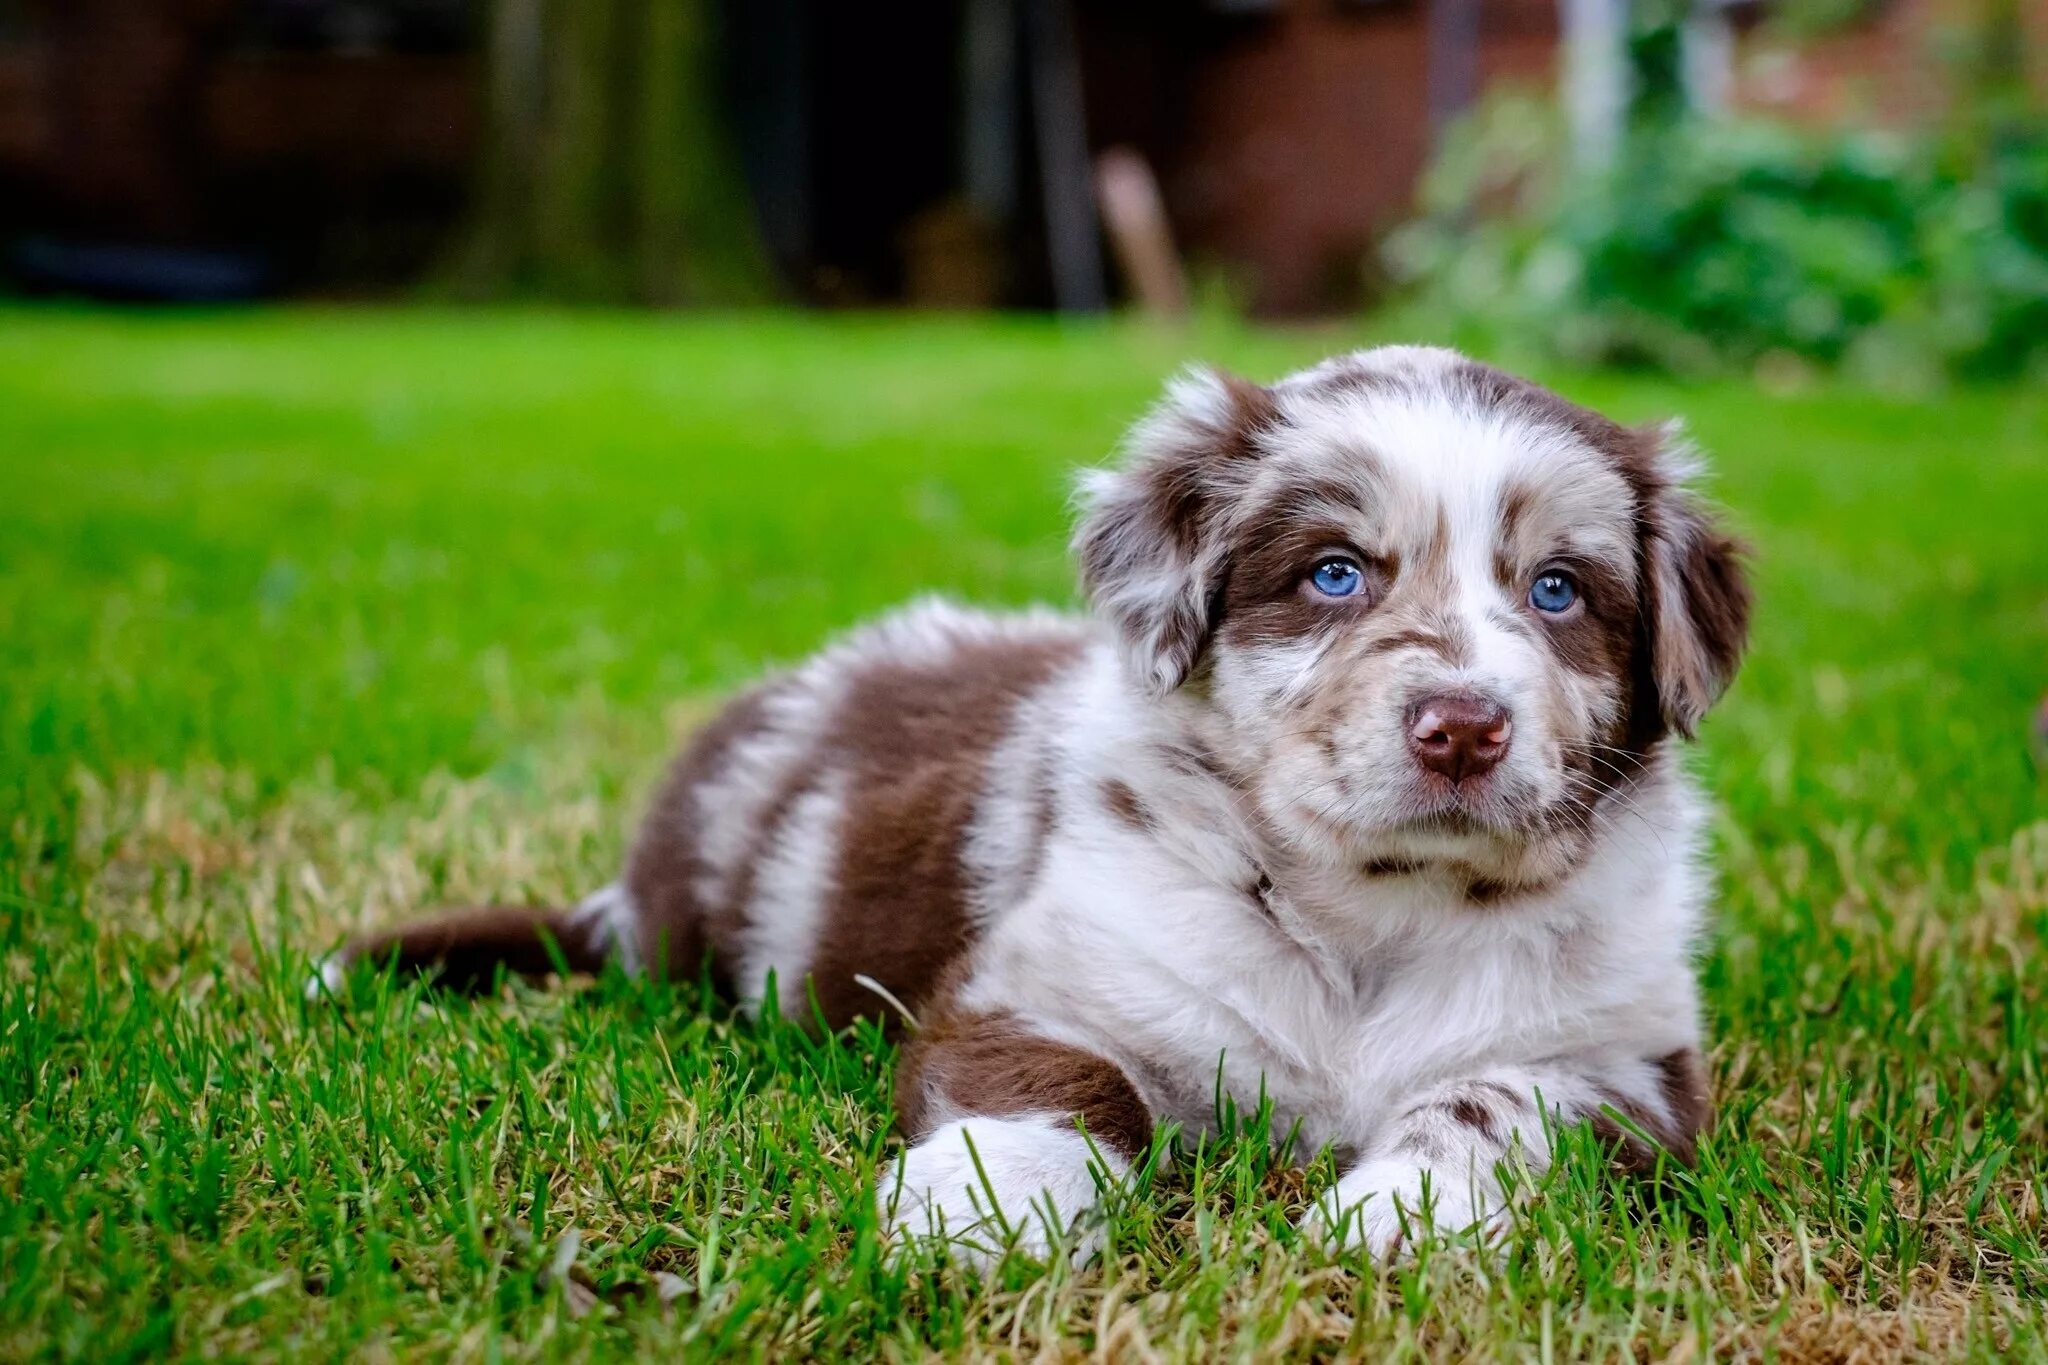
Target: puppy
(1357, 790)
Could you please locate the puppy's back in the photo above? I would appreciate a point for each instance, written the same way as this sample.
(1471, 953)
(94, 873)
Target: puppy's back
(817, 826)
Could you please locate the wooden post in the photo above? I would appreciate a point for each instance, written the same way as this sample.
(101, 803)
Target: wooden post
(1134, 212)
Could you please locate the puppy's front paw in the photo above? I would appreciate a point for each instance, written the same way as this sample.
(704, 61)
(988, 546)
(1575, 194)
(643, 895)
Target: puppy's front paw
(974, 1183)
(1383, 1207)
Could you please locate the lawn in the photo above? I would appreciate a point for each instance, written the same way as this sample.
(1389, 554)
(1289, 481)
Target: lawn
(311, 619)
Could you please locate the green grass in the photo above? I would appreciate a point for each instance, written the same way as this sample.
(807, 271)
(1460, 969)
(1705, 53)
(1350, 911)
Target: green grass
(309, 620)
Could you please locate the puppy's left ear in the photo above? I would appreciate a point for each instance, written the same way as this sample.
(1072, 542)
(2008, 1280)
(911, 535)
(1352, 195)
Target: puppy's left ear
(1696, 600)
(1150, 541)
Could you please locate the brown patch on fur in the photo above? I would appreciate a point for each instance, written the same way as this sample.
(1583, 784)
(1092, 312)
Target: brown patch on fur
(1486, 892)
(1503, 1093)
(1309, 495)
(1256, 623)
(1326, 744)
(1043, 818)
(1193, 760)
(1474, 1115)
(1178, 488)
(1265, 599)
(677, 931)
(990, 1064)
(914, 740)
(1434, 642)
(1253, 409)
(1687, 1094)
(1127, 806)
(1683, 1089)
(1260, 893)
(1516, 502)
(1433, 565)
(1595, 639)
(470, 949)
(1391, 867)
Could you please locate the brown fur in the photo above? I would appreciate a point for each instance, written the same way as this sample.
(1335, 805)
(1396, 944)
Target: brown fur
(916, 740)
(1412, 638)
(1473, 1114)
(1683, 1088)
(1126, 805)
(679, 934)
(1044, 820)
(469, 950)
(991, 1064)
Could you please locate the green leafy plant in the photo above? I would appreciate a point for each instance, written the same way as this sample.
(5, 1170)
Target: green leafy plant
(1716, 243)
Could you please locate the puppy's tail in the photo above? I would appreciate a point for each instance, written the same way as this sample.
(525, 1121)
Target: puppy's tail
(470, 950)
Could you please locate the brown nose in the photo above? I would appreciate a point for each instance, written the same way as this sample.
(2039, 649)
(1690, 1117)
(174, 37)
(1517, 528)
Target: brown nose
(1458, 734)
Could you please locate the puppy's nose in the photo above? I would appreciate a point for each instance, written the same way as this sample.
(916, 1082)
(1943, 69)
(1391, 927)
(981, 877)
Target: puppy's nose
(1459, 735)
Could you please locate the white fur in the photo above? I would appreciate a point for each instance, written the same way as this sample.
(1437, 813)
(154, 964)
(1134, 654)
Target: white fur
(972, 1181)
(611, 919)
(730, 809)
(1001, 852)
(790, 888)
(1383, 1205)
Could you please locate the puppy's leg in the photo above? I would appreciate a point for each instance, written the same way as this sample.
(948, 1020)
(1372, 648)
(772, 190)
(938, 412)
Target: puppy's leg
(1010, 1133)
(1435, 1166)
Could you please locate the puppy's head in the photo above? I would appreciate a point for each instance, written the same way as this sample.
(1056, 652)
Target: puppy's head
(1434, 614)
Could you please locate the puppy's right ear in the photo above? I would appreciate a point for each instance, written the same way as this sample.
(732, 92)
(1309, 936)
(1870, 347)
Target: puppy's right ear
(1150, 540)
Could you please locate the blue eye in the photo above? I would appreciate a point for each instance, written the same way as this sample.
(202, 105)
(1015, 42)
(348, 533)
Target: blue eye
(1553, 592)
(1336, 577)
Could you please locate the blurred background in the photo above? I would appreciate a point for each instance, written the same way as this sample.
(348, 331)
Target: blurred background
(1684, 183)
(415, 414)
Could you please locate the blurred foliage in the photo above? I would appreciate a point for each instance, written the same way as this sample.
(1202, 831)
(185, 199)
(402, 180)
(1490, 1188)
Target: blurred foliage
(1812, 18)
(607, 174)
(1713, 243)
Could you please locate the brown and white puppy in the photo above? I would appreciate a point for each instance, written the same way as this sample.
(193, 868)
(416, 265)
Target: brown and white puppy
(1357, 791)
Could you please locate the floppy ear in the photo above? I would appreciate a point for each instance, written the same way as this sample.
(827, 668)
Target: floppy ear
(1150, 540)
(1696, 596)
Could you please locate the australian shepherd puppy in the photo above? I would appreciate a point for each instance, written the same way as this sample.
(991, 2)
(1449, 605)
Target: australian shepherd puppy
(1357, 790)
